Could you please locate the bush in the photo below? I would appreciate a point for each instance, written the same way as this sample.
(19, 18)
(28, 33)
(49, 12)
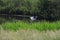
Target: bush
(43, 8)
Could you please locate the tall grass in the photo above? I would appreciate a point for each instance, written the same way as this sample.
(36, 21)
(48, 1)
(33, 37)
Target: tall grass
(36, 25)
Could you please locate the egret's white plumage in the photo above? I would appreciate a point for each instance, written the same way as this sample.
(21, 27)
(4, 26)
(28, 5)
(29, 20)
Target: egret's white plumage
(32, 18)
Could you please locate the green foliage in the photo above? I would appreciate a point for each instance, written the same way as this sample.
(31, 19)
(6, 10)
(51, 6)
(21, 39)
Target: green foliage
(45, 8)
(41, 26)
(28, 5)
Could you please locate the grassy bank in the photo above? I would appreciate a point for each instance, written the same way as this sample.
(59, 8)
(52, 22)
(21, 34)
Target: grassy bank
(29, 35)
(19, 30)
(43, 25)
